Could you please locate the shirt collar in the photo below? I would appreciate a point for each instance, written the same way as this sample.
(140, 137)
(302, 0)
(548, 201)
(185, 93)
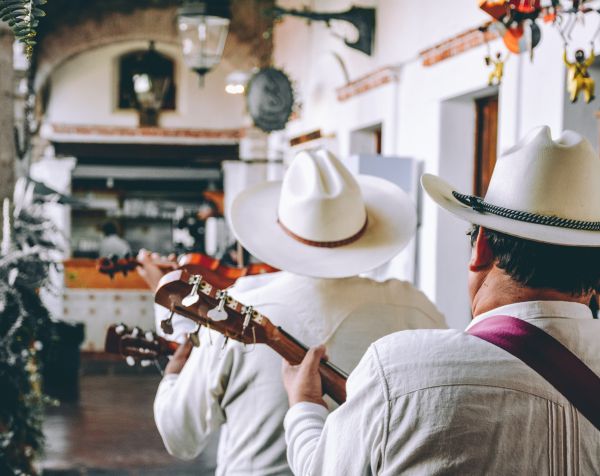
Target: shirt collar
(533, 309)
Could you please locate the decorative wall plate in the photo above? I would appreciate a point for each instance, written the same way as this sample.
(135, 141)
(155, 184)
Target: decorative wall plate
(270, 98)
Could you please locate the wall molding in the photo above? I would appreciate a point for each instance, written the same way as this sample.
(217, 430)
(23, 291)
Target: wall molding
(140, 135)
(375, 79)
(456, 45)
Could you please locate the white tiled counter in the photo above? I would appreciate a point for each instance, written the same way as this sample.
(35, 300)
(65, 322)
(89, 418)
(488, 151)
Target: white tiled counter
(99, 308)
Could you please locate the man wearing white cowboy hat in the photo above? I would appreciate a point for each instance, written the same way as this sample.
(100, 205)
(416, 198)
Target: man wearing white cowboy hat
(317, 224)
(518, 392)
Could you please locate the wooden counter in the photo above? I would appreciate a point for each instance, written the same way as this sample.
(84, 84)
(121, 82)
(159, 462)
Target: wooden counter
(82, 273)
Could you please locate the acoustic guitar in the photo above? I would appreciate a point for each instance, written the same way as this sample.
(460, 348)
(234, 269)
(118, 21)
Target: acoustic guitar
(194, 297)
(219, 274)
(137, 345)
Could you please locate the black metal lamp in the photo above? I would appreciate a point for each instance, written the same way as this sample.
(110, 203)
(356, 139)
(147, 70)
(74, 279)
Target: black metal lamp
(363, 19)
(203, 28)
(151, 81)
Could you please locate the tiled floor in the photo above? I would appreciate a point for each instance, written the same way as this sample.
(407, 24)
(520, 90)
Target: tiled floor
(111, 432)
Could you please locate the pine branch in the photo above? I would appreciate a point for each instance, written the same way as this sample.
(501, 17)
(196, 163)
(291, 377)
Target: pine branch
(22, 16)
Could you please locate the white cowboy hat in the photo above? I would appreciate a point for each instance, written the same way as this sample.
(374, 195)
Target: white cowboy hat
(541, 190)
(321, 221)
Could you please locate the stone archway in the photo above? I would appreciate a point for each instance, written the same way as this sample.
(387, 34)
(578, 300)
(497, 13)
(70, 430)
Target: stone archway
(246, 47)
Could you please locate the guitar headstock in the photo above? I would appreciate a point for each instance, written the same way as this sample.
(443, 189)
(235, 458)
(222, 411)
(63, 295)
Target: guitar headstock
(136, 344)
(191, 296)
(112, 265)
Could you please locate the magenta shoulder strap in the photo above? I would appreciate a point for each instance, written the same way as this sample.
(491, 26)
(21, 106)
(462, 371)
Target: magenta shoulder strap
(548, 357)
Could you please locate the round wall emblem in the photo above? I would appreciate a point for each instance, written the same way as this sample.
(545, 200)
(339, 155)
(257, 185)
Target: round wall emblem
(270, 99)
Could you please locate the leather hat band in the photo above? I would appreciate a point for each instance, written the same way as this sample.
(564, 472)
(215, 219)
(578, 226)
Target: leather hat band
(325, 244)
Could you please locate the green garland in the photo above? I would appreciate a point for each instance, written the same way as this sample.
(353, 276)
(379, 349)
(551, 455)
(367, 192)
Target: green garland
(25, 330)
(23, 17)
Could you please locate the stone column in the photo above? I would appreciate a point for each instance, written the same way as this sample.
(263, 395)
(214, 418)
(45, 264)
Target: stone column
(7, 113)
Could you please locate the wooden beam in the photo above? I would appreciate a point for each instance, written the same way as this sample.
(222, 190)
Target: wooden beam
(7, 113)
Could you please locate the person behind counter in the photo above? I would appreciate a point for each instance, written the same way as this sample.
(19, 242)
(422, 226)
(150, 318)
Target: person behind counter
(112, 243)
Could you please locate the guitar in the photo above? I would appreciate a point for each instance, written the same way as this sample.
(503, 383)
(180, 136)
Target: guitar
(194, 297)
(137, 345)
(220, 275)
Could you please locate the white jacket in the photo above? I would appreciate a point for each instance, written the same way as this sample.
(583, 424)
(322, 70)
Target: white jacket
(444, 402)
(240, 389)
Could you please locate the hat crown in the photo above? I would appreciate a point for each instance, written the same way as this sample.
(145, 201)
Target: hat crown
(320, 199)
(547, 177)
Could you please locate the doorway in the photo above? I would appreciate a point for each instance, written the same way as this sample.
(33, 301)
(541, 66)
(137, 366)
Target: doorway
(486, 142)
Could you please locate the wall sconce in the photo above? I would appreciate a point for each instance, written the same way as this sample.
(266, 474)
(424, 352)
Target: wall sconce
(363, 19)
(203, 28)
(150, 83)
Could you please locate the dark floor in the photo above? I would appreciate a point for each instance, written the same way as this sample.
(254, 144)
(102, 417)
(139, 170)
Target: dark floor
(111, 431)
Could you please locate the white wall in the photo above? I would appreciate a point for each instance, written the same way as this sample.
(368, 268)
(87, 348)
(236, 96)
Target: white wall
(84, 91)
(428, 113)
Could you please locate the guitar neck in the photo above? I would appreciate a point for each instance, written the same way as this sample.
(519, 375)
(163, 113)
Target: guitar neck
(291, 349)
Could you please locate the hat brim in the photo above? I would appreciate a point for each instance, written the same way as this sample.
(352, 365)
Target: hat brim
(392, 222)
(440, 192)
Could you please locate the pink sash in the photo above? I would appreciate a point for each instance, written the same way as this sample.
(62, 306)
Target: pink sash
(548, 357)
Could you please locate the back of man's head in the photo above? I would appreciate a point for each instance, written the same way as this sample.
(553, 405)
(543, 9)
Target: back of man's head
(569, 269)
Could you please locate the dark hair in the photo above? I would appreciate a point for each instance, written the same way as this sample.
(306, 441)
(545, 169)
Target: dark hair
(570, 269)
(109, 228)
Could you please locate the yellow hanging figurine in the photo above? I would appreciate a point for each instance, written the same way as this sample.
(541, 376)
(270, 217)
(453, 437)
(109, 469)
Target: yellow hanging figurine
(579, 78)
(495, 77)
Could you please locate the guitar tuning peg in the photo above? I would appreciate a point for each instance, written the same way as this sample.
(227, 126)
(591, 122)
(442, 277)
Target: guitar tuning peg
(248, 310)
(136, 331)
(193, 297)
(145, 363)
(225, 342)
(130, 360)
(194, 337)
(149, 336)
(219, 313)
(167, 324)
(120, 329)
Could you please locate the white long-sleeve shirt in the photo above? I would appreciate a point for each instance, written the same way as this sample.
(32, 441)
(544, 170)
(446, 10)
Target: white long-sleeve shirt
(240, 389)
(444, 402)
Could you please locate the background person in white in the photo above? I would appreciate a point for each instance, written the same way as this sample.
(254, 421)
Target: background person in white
(318, 224)
(444, 402)
(112, 244)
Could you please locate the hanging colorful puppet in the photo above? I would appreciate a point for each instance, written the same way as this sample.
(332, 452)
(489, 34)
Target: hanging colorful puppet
(497, 63)
(578, 77)
(516, 24)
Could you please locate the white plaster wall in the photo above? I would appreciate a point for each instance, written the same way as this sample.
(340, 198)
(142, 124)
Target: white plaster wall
(84, 90)
(427, 114)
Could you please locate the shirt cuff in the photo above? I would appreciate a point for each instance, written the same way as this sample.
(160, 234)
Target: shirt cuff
(303, 409)
(169, 379)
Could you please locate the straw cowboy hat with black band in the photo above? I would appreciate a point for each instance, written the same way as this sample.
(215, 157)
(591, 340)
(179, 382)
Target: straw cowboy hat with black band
(321, 221)
(541, 189)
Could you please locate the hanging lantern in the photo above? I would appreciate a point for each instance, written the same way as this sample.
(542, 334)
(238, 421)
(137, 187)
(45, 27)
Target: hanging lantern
(203, 28)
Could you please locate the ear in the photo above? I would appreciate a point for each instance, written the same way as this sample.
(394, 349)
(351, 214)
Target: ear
(482, 256)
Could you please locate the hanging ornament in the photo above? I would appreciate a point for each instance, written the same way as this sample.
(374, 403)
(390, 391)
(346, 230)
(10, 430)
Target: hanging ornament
(578, 77)
(497, 64)
(516, 22)
(523, 37)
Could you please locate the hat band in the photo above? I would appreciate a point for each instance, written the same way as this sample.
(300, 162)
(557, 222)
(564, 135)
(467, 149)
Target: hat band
(478, 205)
(325, 244)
